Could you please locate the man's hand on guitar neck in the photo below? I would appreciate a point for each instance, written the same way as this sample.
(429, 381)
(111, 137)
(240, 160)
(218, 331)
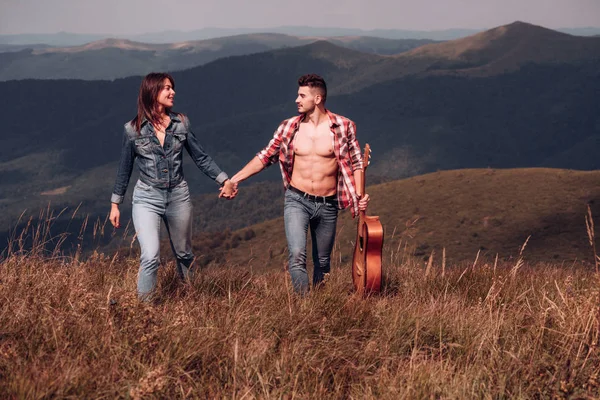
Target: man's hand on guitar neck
(363, 201)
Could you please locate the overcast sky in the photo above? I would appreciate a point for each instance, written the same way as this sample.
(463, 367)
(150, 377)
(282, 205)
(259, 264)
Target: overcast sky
(141, 16)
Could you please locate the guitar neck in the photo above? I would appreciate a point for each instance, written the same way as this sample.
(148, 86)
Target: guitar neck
(363, 175)
(363, 184)
(366, 161)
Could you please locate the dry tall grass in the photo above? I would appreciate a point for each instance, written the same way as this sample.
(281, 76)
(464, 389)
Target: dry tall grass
(74, 329)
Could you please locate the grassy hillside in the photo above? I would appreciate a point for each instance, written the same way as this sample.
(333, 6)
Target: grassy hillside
(466, 212)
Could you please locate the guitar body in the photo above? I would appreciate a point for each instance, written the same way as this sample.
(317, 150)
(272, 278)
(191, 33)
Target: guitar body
(366, 260)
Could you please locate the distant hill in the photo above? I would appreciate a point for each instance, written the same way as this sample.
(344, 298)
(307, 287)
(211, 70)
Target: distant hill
(118, 58)
(467, 211)
(61, 142)
(493, 52)
(507, 47)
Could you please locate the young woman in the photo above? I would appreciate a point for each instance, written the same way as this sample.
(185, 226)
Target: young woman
(156, 138)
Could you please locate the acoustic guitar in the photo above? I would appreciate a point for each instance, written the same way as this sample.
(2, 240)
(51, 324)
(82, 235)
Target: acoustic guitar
(366, 262)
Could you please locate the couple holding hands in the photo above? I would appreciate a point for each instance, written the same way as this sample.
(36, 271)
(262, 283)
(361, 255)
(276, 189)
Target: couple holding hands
(317, 151)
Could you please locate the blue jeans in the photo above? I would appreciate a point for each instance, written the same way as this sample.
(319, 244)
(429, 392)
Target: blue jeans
(173, 206)
(300, 214)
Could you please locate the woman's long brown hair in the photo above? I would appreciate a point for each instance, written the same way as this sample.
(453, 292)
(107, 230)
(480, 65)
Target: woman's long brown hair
(151, 86)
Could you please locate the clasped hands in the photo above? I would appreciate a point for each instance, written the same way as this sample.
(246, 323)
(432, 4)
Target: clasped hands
(229, 189)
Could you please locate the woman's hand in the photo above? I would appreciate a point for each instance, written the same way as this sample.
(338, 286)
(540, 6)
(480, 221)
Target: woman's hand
(229, 189)
(115, 215)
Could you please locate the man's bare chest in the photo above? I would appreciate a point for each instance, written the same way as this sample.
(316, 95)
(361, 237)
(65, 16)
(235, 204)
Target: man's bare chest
(314, 141)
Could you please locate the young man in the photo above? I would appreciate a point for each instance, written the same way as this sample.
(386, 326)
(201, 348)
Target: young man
(319, 155)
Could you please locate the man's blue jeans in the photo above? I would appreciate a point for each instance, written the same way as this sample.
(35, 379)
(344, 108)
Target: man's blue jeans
(173, 206)
(300, 214)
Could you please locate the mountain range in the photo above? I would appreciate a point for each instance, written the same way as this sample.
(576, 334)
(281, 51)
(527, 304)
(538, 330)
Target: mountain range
(118, 58)
(512, 97)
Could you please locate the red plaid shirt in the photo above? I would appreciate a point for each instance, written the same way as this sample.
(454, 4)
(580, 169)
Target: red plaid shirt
(346, 149)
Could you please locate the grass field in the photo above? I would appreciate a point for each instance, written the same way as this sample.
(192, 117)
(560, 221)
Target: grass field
(73, 328)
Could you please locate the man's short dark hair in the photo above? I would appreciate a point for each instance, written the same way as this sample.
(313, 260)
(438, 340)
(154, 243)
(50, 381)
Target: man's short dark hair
(314, 81)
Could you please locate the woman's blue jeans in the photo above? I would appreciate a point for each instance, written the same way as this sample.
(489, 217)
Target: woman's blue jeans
(300, 214)
(173, 206)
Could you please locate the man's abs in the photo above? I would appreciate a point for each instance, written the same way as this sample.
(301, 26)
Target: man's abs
(315, 166)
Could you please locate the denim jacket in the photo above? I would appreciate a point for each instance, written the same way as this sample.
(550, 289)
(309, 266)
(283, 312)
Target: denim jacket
(161, 167)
